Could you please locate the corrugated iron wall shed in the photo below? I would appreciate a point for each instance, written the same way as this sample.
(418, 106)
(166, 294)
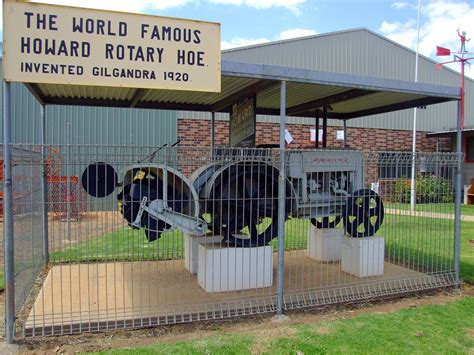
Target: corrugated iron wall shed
(361, 52)
(89, 125)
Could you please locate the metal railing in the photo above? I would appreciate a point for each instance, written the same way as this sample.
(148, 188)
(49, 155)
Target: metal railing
(193, 233)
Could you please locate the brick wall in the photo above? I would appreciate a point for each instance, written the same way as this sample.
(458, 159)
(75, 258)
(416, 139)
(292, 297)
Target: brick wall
(197, 133)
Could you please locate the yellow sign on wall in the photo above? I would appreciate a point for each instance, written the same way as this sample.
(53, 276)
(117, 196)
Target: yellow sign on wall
(69, 45)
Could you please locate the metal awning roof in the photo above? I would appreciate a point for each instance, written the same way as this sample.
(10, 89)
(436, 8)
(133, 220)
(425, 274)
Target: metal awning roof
(347, 96)
(450, 131)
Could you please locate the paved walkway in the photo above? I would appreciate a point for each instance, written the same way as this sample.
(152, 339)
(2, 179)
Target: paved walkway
(427, 214)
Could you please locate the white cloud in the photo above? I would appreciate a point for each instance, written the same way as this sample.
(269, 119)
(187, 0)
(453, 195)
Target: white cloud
(288, 34)
(120, 5)
(116, 5)
(296, 32)
(242, 42)
(292, 5)
(401, 5)
(438, 24)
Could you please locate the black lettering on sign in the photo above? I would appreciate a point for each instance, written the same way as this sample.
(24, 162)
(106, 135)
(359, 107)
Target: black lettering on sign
(41, 21)
(190, 57)
(133, 53)
(99, 27)
(55, 47)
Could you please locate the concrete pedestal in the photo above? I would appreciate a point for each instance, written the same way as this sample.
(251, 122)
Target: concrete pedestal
(325, 244)
(191, 244)
(228, 269)
(363, 257)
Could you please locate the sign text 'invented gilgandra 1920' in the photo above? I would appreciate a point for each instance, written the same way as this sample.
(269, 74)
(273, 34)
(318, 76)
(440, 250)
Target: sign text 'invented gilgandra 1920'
(68, 45)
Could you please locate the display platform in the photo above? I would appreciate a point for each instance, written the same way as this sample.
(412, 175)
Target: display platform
(325, 244)
(221, 268)
(191, 248)
(363, 257)
(82, 294)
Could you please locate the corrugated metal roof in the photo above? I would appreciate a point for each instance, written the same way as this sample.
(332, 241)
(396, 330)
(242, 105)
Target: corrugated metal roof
(349, 95)
(362, 52)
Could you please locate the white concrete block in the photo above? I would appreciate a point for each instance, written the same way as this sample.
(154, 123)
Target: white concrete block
(363, 257)
(222, 268)
(325, 244)
(191, 244)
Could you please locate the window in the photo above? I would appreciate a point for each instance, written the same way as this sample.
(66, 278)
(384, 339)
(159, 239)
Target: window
(394, 165)
(470, 149)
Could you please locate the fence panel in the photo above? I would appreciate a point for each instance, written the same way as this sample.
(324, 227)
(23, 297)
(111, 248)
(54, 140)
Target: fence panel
(140, 236)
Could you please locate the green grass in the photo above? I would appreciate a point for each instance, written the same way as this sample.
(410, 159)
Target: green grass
(448, 208)
(429, 329)
(420, 243)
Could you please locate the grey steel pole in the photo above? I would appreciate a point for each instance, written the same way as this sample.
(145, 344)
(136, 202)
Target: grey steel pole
(457, 211)
(281, 201)
(8, 218)
(213, 124)
(44, 186)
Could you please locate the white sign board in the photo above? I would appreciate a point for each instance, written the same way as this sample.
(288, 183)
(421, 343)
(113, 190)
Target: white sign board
(340, 135)
(312, 135)
(68, 45)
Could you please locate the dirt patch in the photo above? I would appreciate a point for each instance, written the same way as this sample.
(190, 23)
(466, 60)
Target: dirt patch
(323, 330)
(261, 326)
(267, 335)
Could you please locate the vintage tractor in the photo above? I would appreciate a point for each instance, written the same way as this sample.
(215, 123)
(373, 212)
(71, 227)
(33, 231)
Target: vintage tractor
(237, 197)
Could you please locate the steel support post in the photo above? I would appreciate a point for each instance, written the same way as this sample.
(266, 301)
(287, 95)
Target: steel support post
(457, 211)
(44, 187)
(213, 130)
(281, 201)
(8, 218)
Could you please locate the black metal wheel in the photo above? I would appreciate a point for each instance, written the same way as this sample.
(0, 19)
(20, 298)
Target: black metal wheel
(131, 197)
(151, 187)
(326, 222)
(245, 205)
(364, 214)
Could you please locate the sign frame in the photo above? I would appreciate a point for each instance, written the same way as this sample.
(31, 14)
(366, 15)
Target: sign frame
(66, 45)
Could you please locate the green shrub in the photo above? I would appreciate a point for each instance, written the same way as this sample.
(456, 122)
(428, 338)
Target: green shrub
(429, 189)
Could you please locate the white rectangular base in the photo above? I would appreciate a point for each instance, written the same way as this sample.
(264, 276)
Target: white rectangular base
(191, 244)
(324, 244)
(228, 269)
(363, 257)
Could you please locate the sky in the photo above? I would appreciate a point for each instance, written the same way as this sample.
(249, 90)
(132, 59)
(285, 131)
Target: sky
(246, 22)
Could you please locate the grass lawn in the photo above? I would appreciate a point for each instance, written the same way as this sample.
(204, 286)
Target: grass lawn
(466, 210)
(420, 243)
(429, 329)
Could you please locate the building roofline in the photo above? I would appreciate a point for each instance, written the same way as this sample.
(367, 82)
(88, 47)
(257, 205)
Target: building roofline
(334, 33)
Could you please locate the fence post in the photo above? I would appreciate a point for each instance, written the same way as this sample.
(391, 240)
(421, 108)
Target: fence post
(8, 218)
(44, 186)
(281, 201)
(457, 211)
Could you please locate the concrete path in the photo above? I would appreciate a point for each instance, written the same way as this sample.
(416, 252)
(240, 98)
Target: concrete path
(427, 214)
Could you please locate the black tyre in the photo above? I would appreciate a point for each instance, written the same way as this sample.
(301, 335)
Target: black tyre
(326, 222)
(245, 205)
(364, 213)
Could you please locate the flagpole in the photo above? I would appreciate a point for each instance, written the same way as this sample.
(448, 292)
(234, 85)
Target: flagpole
(413, 165)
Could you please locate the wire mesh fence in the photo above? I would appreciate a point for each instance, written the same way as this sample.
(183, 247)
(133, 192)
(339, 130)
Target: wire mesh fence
(140, 236)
